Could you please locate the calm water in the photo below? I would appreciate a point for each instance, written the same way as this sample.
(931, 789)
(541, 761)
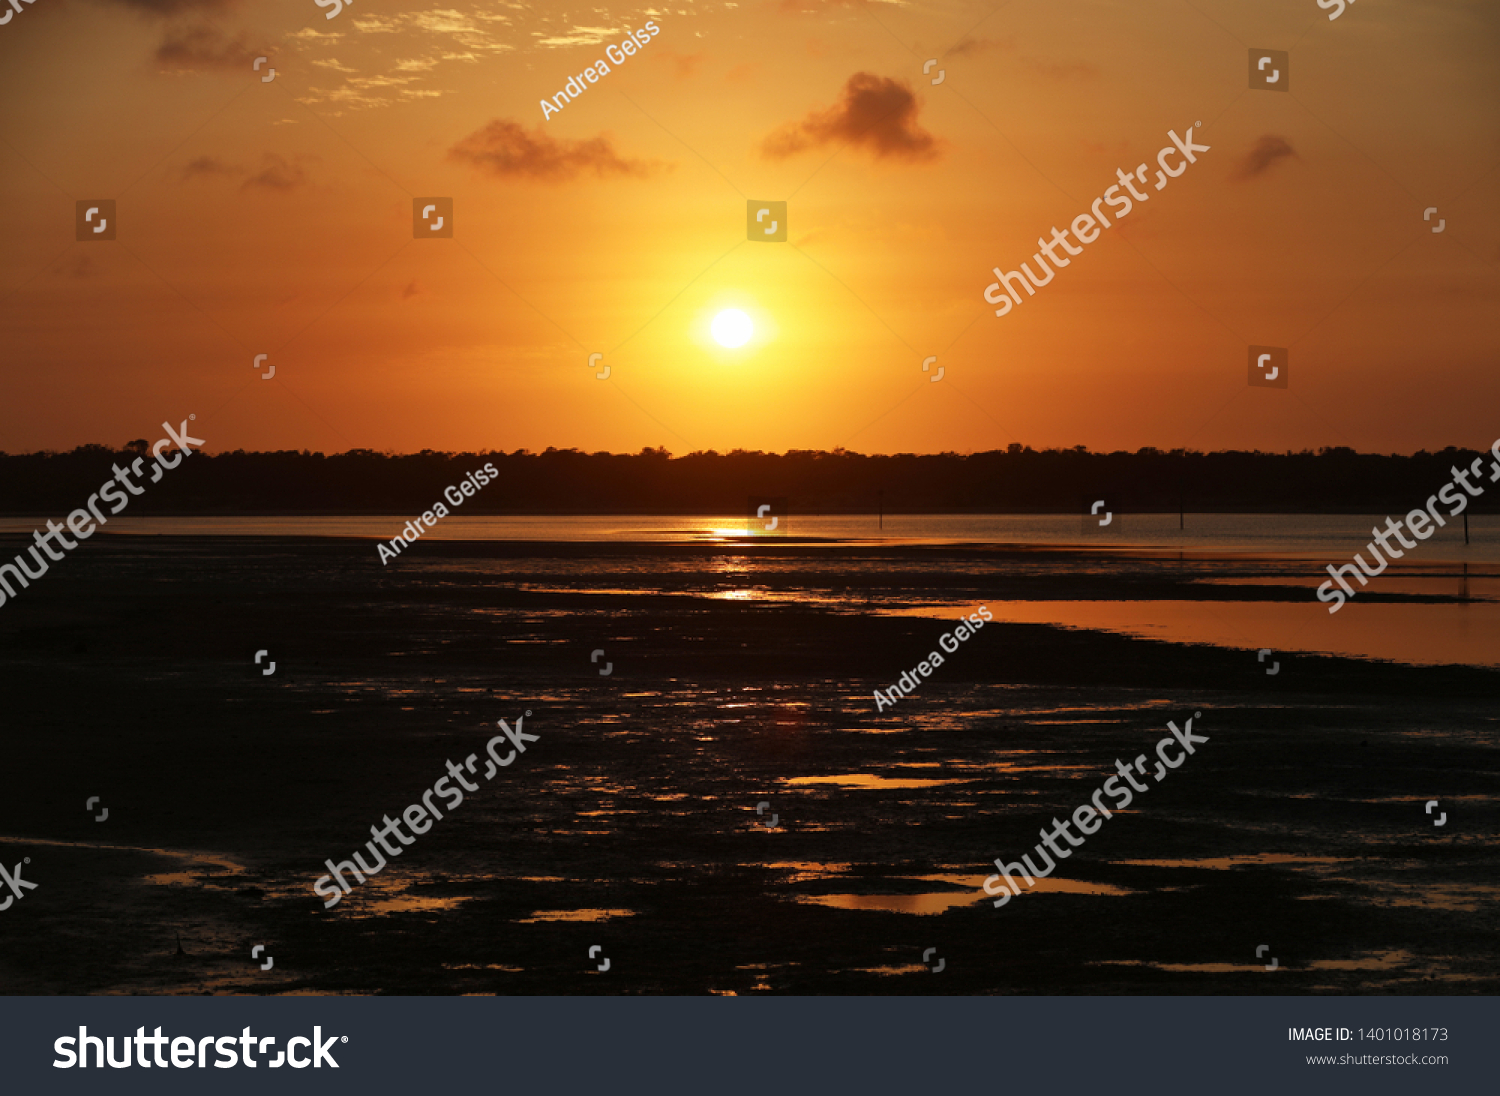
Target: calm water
(1318, 536)
(1284, 554)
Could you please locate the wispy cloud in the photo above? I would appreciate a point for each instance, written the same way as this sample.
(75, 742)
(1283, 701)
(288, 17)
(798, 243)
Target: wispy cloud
(276, 173)
(970, 47)
(579, 36)
(505, 149)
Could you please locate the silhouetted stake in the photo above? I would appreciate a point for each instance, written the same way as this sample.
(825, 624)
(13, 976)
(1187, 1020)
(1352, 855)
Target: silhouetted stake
(1466, 527)
(881, 495)
(180, 953)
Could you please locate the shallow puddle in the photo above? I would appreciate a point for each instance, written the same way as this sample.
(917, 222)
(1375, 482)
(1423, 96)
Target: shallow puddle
(869, 781)
(574, 915)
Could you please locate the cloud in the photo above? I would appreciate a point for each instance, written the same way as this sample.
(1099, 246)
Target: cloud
(876, 112)
(579, 36)
(165, 9)
(506, 149)
(972, 46)
(1267, 151)
(78, 264)
(685, 63)
(276, 173)
(201, 46)
(376, 24)
(443, 21)
(807, 7)
(208, 166)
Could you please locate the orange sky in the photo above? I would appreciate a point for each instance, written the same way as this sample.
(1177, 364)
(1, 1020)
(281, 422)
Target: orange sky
(276, 218)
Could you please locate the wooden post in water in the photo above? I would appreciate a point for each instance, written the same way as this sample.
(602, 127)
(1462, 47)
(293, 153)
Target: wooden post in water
(1466, 525)
(1181, 489)
(881, 495)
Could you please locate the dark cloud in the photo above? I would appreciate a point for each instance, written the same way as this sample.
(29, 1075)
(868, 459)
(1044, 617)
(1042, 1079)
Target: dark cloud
(1267, 151)
(877, 113)
(506, 149)
(200, 46)
(165, 9)
(208, 166)
(276, 173)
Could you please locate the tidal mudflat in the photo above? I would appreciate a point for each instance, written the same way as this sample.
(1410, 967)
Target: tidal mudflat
(739, 675)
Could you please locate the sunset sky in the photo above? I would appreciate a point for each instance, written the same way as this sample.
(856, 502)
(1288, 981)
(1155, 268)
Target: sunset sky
(276, 218)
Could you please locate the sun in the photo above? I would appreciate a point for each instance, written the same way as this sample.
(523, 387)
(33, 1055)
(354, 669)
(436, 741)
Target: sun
(732, 328)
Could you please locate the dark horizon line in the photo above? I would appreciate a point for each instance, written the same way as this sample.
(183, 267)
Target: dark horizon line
(139, 445)
(1017, 480)
(730, 514)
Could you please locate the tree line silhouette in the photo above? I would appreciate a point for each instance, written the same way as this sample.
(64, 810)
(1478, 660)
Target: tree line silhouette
(563, 481)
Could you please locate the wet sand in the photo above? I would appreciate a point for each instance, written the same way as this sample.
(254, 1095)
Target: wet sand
(738, 675)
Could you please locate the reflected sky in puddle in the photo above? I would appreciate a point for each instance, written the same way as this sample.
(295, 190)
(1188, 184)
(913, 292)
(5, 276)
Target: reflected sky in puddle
(1054, 885)
(868, 781)
(891, 903)
(200, 866)
(1191, 968)
(574, 915)
(930, 903)
(1381, 960)
(1224, 862)
(1465, 633)
(407, 903)
(1466, 899)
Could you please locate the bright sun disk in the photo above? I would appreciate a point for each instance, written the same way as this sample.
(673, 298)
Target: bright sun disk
(732, 328)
